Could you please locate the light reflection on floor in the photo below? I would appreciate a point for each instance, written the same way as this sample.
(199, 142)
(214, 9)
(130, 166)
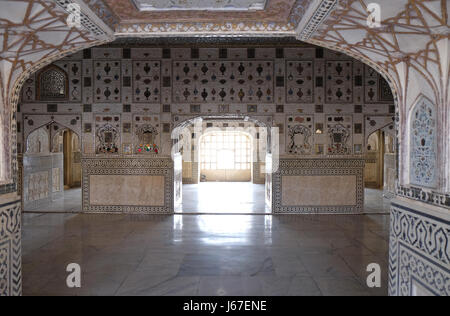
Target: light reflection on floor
(224, 197)
(237, 255)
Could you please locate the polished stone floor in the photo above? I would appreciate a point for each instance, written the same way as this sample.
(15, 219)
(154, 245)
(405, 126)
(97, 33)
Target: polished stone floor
(224, 197)
(219, 198)
(204, 254)
(70, 203)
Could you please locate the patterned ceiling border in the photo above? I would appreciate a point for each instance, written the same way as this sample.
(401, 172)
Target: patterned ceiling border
(214, 42)
(208, 29)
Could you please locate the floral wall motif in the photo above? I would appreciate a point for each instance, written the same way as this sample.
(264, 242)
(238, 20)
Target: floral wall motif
(299, 136)
(107, 134)
(423, 144)
(146, 131)
(339, 130)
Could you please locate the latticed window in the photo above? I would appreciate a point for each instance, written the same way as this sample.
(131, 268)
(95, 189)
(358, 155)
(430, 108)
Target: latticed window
(53, 84)
(225, 151)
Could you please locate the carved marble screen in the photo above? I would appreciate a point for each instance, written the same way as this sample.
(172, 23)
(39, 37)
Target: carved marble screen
(423, 144)
(53, 84)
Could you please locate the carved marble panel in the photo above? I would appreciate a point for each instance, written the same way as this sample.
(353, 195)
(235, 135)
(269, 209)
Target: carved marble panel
(127, 169)
(344, 178)
(38, 186)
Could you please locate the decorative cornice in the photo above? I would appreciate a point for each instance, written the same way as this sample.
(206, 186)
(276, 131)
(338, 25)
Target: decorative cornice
(208, 29)
(299, 10)
(89, 20)
(102, 10)
(314, 17)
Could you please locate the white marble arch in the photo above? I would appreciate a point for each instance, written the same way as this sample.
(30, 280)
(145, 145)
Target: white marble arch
(408, 78)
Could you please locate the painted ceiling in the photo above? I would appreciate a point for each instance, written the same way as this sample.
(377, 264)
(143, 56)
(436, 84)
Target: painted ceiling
(210, 5)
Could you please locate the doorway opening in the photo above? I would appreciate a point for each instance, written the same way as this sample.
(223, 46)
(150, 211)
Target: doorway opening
(223, 167)
(52, 170)
(381, 168)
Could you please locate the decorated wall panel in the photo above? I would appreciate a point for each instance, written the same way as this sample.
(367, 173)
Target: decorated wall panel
(223, 81)
(283, 83)
(423, 144)
(300, 84)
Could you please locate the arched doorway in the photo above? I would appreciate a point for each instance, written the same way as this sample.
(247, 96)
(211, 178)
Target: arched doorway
(51, 169)
(223, 161)
(380, 171)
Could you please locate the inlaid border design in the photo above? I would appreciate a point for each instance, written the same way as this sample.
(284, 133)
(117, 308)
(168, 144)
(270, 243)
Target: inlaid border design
(425, 196)
(129, 166)
(319, 167)
(419, 252)
(10, 249)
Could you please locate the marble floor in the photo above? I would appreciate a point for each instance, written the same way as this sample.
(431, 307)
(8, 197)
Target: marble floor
(207, 255)
(224, 197)
(209, 198)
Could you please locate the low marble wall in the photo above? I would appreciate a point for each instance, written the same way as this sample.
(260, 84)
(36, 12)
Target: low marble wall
(43, 179)
(132, 185)
(10, 245)
(319, 185)
(419, 255)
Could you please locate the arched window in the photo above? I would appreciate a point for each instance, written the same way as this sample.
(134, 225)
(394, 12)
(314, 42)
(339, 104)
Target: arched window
(52, 84)
(423, 144)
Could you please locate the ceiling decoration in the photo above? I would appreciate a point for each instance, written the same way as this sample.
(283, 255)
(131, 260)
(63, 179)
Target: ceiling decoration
(279, 18)
(36, 31)
(103, 12)
(409, 33)
(200, 5)
(274, 11)
(411, 49)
